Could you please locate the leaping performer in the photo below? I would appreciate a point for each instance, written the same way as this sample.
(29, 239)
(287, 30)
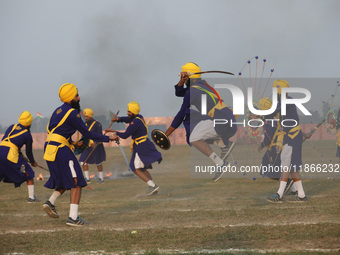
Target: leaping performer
(200, 127)
(144, 152)
(65, 171)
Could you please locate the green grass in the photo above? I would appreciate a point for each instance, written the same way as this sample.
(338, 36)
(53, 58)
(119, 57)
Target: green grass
(188, 216)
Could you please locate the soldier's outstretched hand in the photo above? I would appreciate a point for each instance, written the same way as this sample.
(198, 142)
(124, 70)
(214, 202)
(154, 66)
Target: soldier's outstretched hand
(114, 137)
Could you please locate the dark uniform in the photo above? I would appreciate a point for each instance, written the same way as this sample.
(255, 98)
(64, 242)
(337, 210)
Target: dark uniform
(98, 154)
(13, 166)
(141, 144)
(63, 164)
(271, 161)
(215, 110)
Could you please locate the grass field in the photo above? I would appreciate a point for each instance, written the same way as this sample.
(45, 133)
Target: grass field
(188, 216)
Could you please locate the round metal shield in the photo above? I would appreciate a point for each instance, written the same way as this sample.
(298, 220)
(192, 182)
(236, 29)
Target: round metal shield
(160, 139)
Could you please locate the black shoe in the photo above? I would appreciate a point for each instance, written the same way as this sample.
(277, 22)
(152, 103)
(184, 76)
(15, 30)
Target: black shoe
(100, 181)
(275, 199)
(226, 150)
(219, 174)
(33, 200)
(299, 199)
(50, 209)
(152, 190)
(75, 223)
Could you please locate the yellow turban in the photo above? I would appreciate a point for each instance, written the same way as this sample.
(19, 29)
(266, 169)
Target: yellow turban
(133, 107)
(26, 118)
(265, 103)
(67, 92)
(88, 112)
(280, 84)
(192, 68)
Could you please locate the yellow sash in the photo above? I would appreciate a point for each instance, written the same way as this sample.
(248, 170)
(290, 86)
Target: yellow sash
(13, 153)
(338, 138)
(217, 106)
(140, 139)
(277, 139)
(51, 150)
(91, 141)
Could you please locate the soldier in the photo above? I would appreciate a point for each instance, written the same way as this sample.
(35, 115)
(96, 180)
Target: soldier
(14, 168)
(66, 173)
(95, 152)
(291, 154)
(199, 127)
(144, 152)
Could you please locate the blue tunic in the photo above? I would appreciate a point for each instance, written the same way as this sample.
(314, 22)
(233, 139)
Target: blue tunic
(9, 171)
(146, 150)
(66, 164)
(190, 117)
(293, 135)
(98, 154)
(272, 156)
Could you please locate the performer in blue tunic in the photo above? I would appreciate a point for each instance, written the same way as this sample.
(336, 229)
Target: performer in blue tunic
(95, 152)
(200, 127)
(13, 166)
(291, 154)
(271, 161)
(66, 173)
(144, 152)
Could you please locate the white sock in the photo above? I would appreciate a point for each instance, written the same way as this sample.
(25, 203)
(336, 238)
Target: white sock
(101, 175)
(293, 188)
(30, 191)
(301, 192)
(74, 211)
(151, 183)
(87, 175)
(54, 197)
(216, 159)
(281, 188)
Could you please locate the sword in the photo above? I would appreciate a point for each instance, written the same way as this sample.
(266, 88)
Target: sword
(126, 160)
(112, 121)
(116, 117)
(224, 72)
(91, 152)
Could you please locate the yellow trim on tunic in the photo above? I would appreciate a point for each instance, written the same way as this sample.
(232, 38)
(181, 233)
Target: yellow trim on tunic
(294, 132)
(91, 141)
(140, 139)
(218, 105)
(13, 153)
(338, 138)
(51, 150)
